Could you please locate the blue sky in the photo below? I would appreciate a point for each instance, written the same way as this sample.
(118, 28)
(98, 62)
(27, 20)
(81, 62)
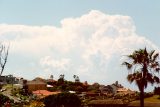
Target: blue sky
(50, 12)
(29, 22)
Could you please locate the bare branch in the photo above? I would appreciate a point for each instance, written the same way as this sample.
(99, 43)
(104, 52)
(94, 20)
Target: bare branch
(3, 57)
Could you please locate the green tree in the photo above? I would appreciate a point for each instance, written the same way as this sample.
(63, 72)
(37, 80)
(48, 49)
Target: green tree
(61, 79)
(76, 78)
(62, 100)
(61, 83)
(157, 90)
(94, 87)
(51, 77)
(3, 99)
(25, 88)
(143, 68)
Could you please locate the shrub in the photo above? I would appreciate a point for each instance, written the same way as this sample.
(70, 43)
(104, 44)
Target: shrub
(146, 95)
(35, 104)
(157, 90)
(3, 99)
(65, 99)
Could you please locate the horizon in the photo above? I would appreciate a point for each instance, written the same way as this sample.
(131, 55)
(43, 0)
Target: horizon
(84, 38)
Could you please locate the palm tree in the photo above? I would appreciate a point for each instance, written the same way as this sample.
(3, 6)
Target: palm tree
(76, 78)
(61, 79)
(143, 68)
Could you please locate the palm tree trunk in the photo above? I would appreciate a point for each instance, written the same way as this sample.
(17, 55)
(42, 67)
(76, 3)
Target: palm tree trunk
(142, 97)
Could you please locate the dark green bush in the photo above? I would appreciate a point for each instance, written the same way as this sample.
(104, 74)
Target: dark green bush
(3, 99)
(65, 99)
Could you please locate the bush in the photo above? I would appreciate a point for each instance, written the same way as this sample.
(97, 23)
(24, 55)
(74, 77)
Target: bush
(3, 99)
(146, 95)
(65, 99)
(35, 104)
(157, 90)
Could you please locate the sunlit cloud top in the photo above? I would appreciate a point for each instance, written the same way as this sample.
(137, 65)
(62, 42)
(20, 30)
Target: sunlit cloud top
(90, 46)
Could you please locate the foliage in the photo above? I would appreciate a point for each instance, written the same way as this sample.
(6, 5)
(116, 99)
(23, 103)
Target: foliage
(3, 99)
(25, 88)
(19, 92)
(1, 86)
(16, 91)
(51, 77)
(76, 78)
(147, 95)
(157, 90)
(65, 85)
(35, 104)
(94, 87)
(62, 99)
(61, 79)
(143, 68)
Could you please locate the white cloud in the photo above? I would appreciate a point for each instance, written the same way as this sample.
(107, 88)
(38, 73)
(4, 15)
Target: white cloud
(60, 65)
(90, 46)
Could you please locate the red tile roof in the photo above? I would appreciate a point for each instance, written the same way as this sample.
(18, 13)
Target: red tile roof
(43, 92)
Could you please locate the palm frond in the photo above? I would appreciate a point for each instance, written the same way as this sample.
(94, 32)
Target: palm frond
(157, 69)
(155, 57)
(151, 54)
(145, 67)
(156, 79)
(145, 84)
(149, 78)
(128, 65)
(130, 78)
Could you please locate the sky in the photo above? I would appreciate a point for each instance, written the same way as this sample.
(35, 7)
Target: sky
(88, 38)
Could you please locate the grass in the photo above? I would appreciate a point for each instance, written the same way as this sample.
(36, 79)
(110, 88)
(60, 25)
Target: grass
(153, 99)
(8, 86)
(148, 102)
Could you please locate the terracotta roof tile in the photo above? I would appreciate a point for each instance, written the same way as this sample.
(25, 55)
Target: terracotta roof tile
(43, 92)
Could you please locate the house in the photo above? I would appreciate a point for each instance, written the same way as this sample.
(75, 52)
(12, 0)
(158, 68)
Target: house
(109, 89)
(36, 85)
(85, 95)
(125, 91)
(8, 79)
(51, 82)
(113, 88)
(106, 89)
(43, 93)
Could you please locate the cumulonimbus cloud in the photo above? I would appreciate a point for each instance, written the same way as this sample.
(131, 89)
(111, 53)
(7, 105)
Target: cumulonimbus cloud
(90, 45)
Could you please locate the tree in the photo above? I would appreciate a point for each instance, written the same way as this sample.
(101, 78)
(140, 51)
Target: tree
(143, 68)
(51, 77)
(61, 83)
(94, 87)
(62, 100)
(25, 88)
(76, 78)
(3, 57)
(61, 79)
(157, 90)
(3, 99)
(36, 104)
